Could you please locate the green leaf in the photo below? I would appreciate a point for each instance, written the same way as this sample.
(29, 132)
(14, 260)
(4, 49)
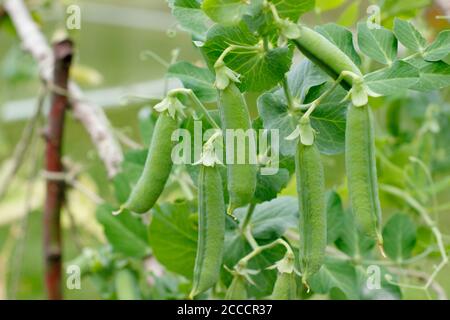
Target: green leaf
(236, 247)
(351, 240)
(378, 44)
(349, 17)
(191, 17)
(271, 219)
(326, 5)
(133, 164)
(335, 213)
(342, 38)
(400, 76)
(399, 235)
(147, 121)
(173, 237)
(199, 80)
(433, 75)
(293, 9)
(126, 233)
(273, 111)
(226, 12)
(260, 70)
(304, 76)
(328, 119)
(409, 36)
(268, 186)
(379, 288)
(440, 48)
(122, 187)
(336, 274)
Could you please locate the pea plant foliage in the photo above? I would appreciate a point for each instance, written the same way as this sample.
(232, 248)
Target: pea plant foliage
(353, 120)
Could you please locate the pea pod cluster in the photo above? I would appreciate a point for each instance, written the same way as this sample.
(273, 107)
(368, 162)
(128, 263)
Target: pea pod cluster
(157, 167)
(211, 230)
(359, 149)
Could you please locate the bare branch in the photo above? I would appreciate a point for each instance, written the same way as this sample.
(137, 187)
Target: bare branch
(90, 115)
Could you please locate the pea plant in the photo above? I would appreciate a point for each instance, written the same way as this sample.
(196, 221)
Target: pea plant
(305, 102)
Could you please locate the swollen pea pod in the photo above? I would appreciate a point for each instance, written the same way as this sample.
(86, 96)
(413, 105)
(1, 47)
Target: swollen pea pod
(211, 230)
(241, 177)
(237, 289)
(362, 171)
(313, 218)
(157, 167)
(326, 55)
(285, 287)
(126, 285)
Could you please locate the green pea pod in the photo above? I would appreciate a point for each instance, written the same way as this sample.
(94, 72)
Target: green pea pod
(237, 289)
(241, 177)
(362, 171)
(285, 287)
(126, 284)
(157, 167)
(211, 230)
(325, 54)
(313, 219)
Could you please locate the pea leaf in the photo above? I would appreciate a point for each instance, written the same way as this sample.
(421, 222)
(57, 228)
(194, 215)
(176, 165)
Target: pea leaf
(199, 80)
(350, 15)
(440, 48)
(326, 5)
(273, 110)
(342, 38)
(328, 119)
(271, 219)
(351, 240)
(302, 77)
(147, 121)
(126, 233)
(173, 237)
(260, 70)
(372, 283)
(433, 75)
(191, 17)
(408, 35)
(335, 212)
(336, 274)
(378, 44)
(293, 9)
(400, 76)
(399, 235)
(268, 186)
(226, 12)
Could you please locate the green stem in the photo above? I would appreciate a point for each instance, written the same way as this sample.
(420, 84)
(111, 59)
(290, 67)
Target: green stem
(198, 104)
(248, 216)
(287, 93)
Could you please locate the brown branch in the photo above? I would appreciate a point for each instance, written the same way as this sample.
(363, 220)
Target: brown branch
(54, 201)
(90, 115)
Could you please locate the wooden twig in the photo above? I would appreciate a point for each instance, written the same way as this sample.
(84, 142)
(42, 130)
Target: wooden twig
(90, 115)
(55, 195)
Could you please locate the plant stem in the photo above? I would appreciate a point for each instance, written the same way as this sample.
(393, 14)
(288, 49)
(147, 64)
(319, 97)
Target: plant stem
(248, 216)
(430, 223)
(287, 93)
(55, 194)
(198, 104)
